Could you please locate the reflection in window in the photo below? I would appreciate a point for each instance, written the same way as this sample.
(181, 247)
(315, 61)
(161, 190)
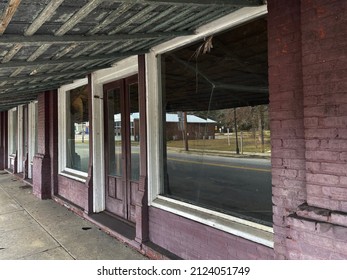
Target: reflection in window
(77, 129)
(115, 167)
(134, 132)
(215, 124)
(13, 132)
(36, 145)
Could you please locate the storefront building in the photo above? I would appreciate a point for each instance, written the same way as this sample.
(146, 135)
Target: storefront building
(76, 140)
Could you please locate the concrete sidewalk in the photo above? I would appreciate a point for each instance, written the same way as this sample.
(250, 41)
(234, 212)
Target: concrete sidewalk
(36, 229)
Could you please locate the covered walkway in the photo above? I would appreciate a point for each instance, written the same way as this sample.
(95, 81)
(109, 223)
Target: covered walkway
(36, 229)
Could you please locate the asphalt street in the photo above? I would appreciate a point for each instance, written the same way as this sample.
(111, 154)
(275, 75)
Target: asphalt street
(240, 186)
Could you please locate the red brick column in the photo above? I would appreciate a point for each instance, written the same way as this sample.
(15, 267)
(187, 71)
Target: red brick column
(142, 222)
(308, 108)
(3, 140)
(42, 164)
(319, 230)
(286, 116)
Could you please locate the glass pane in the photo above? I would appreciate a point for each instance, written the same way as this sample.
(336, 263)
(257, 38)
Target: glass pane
(134, 131)
(216, 137)
(114, 133)
(36, 128)
(14, 129)
(25, 131)
(77, 129)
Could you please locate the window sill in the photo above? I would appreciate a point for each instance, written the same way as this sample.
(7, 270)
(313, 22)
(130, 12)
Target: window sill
(78, 176)
(249, 230)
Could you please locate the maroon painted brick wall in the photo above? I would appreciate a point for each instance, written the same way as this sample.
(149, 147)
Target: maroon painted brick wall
(74, 191)
(286, 115)
(310, 239)
(42, 161)
(191, 240)
(3, 139)
(308, 110)
(324, 59)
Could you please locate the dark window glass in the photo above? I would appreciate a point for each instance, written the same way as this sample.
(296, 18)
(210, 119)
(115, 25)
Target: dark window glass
(216, 133)
(77, 129)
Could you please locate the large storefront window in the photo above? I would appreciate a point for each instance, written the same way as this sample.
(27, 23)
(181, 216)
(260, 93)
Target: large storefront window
(13, 131)
(77, 129)
(216, 139)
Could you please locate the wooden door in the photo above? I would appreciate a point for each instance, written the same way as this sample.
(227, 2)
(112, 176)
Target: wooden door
(121, 146)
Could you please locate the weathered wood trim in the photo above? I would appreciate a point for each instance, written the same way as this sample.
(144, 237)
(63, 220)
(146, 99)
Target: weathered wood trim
(14, 64)
(8, 14)
(67, 39)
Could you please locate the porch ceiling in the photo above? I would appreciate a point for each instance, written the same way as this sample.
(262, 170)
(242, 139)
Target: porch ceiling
(47, 43)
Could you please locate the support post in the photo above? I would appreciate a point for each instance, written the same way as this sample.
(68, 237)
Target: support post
(142, 227)
(42, 165)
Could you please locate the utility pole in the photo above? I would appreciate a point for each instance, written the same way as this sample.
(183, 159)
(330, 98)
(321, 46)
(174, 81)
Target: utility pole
(185, 131)
(261, 126)
(236, 137)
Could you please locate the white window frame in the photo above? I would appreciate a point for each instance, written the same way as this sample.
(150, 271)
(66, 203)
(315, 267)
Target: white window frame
(63, 169)
(122, 69)
(31, 135)
(246, 229)
(11, 156)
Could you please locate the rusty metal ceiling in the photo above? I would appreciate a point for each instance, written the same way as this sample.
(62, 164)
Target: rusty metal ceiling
(47, 43)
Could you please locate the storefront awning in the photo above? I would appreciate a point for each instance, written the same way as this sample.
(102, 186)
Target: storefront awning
(47, 43)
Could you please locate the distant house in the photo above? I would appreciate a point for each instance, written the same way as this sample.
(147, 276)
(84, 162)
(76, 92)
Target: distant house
(197, 128)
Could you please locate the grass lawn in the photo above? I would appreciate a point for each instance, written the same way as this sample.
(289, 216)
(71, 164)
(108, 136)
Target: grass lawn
(222, 143)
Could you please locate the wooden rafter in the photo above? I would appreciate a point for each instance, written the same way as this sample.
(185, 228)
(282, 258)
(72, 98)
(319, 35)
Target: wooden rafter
(72, 39)
(45, 14)
(236, 3)
(42, 76)
(163, 14)
(137, 16)
(8, 14)
(111, 18)
(28, 86)
(181, 15)
(15, 64)
(77, 17)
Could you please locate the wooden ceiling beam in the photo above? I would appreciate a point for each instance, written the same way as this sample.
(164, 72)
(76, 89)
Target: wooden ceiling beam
(77, 17)
(81, 59)
(12, 93)
(142, 14)
(8, 14)
(73, 39)
(235, 3)
(28, 86)
(67, 26)
(46, 14)
(41, 76)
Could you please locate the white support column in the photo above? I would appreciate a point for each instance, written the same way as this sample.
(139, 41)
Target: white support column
(31, 135)
(20, 139)
(154, 127)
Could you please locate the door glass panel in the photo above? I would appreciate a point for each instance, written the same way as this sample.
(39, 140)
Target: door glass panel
(25, 131)
(14, 128)
(114, 133)
(77, 137)
(36, 131)
(134, 131)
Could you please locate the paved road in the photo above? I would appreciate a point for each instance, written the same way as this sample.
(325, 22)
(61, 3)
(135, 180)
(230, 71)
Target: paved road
(237, 185)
